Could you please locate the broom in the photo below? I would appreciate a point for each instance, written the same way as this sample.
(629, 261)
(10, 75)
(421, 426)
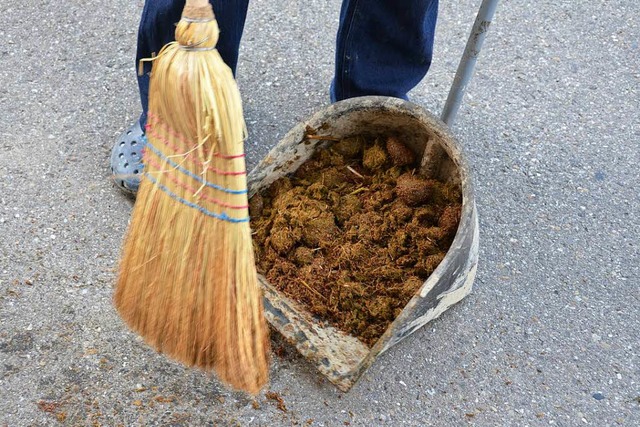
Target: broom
(187, 282)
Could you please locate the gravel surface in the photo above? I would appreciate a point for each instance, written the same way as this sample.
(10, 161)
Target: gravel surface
(550, 124)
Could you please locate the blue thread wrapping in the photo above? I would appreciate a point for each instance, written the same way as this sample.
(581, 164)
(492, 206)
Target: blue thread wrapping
(191, 174)
(223, 216)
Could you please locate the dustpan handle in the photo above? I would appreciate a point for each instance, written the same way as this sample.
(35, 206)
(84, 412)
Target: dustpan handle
(468, 61)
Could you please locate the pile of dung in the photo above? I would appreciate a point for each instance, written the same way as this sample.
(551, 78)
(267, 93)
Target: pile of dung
(354, 233)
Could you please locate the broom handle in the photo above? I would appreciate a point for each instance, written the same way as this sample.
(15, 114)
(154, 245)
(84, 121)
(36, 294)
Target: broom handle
(197, 3)
(198, 10)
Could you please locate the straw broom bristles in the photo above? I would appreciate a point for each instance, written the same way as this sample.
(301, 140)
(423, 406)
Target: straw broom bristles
(187, 280)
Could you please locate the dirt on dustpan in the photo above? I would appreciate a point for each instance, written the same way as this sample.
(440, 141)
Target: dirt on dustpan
(354, 233)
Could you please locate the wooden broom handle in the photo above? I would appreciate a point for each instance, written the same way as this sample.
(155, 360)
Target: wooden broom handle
(197, 3)
(198, 9)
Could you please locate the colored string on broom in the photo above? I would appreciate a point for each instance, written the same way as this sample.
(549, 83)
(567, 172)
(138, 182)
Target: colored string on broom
(155, 136)
(153, 120)
(223, 216)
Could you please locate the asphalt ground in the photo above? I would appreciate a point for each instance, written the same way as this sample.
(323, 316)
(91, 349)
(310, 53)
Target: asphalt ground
(550, 124)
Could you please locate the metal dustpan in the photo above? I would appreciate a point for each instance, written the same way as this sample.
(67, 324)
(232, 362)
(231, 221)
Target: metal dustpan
(342, 358)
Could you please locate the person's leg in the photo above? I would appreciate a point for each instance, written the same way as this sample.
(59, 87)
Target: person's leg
(384, 47)
(157, 28)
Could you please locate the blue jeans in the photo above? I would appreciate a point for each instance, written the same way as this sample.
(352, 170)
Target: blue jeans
(384, 47)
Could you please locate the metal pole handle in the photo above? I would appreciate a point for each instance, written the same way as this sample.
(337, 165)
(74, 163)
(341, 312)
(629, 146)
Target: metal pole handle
(468, 61)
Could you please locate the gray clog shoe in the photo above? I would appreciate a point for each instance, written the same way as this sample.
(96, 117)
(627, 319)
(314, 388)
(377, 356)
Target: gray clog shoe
(126, 159)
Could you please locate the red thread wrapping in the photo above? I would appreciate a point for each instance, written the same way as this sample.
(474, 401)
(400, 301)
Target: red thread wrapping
(192, 190)
(174, 134)
(171, 146)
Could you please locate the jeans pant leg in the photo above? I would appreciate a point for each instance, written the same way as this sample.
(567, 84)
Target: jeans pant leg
(157, 28)
(384, 47)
